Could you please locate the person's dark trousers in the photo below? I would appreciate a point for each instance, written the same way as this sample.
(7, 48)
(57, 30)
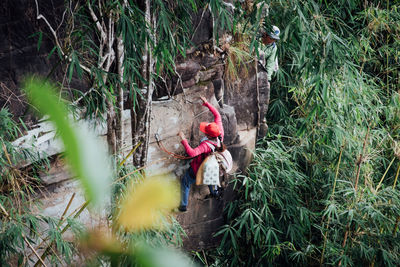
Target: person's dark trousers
(213, 190)
(264, 103)
(265, 89)
(188, 179)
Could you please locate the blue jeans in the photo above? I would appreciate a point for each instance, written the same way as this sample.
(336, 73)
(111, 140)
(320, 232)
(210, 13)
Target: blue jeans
(188, 179)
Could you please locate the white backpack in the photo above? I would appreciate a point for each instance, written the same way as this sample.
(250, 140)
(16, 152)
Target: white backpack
(215, 165)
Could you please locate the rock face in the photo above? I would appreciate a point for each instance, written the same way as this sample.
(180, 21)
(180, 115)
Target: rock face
(20, 54)
(200, 74)
(238, 107)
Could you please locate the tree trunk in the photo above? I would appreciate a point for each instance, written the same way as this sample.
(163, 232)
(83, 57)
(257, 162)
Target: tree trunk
(120, 98)
(140, 113)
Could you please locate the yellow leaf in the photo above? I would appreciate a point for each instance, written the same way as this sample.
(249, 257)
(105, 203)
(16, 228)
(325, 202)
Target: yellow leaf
(147, 202)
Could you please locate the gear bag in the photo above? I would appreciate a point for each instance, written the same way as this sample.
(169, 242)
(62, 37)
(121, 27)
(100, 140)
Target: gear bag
(214, 166)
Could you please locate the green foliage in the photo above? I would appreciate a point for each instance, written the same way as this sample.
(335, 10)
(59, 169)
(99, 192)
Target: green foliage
(18, 187)
(222, 18)
(323, 187)
(22, 229)
(167, 39)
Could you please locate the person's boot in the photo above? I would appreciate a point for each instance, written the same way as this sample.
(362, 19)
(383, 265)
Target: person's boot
(182, 208)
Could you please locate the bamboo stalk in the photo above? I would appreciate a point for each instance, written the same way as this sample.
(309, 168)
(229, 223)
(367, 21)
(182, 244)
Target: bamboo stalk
(383, 176)
(398, 218)
(23, 236)
(130, 153)
(332, 195)
(34, 251)
(47, 250)
(397, 176)
(359, 163)
(258, 99)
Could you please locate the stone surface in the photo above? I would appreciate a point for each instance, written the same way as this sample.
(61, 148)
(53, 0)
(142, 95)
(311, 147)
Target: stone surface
(19, 53)
(201, 235)
(185, 112)
(187, 70)
(57, 172)
(202, 74)
(56, 197)
(202, 24)
(188, 83)
(242, 95)
(229, 122)
(208, 61)
(219, 91)
(242, 152)
(206, 75)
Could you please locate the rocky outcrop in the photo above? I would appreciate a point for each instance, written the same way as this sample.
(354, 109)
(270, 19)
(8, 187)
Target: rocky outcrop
(176, 108)
(238, 106)
(24, 50)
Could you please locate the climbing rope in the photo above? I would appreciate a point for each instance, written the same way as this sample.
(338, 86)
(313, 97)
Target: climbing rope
(161, 146)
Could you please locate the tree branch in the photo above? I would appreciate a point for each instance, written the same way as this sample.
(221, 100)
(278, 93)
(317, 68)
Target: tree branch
(54, 33)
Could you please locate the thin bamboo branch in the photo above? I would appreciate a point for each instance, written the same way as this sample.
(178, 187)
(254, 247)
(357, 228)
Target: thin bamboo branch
(258, 99)
(139, 169)
(387, 50)
(383, 176)
(201, 18)
(359, 163)
(23, 236)
(394, 186)
(85, 94)
(4, 210)
(47, 250)
(66, 208)
(61, 219)
(360, 159)
(54, 33)
(97, 22)
(205, 258)
(34, 251)
(332, 195)
(130, 153)
(397, 176)
(395, 226)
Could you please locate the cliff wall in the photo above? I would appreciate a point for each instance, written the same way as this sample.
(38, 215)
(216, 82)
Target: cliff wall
(201, 73)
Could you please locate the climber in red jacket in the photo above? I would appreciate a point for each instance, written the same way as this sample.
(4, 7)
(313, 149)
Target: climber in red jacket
(214, 132)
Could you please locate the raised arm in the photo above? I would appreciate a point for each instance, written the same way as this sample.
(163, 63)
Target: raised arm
(217, 116)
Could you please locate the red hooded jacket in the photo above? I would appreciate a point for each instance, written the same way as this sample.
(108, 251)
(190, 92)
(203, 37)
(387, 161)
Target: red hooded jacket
(203, 150)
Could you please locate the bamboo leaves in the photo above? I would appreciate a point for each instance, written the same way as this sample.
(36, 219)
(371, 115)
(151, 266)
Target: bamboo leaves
(326, 176)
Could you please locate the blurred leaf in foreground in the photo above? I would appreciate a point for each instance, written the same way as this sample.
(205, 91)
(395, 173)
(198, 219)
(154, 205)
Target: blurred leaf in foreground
(145, 203)
(86, 154)
(155, 257)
